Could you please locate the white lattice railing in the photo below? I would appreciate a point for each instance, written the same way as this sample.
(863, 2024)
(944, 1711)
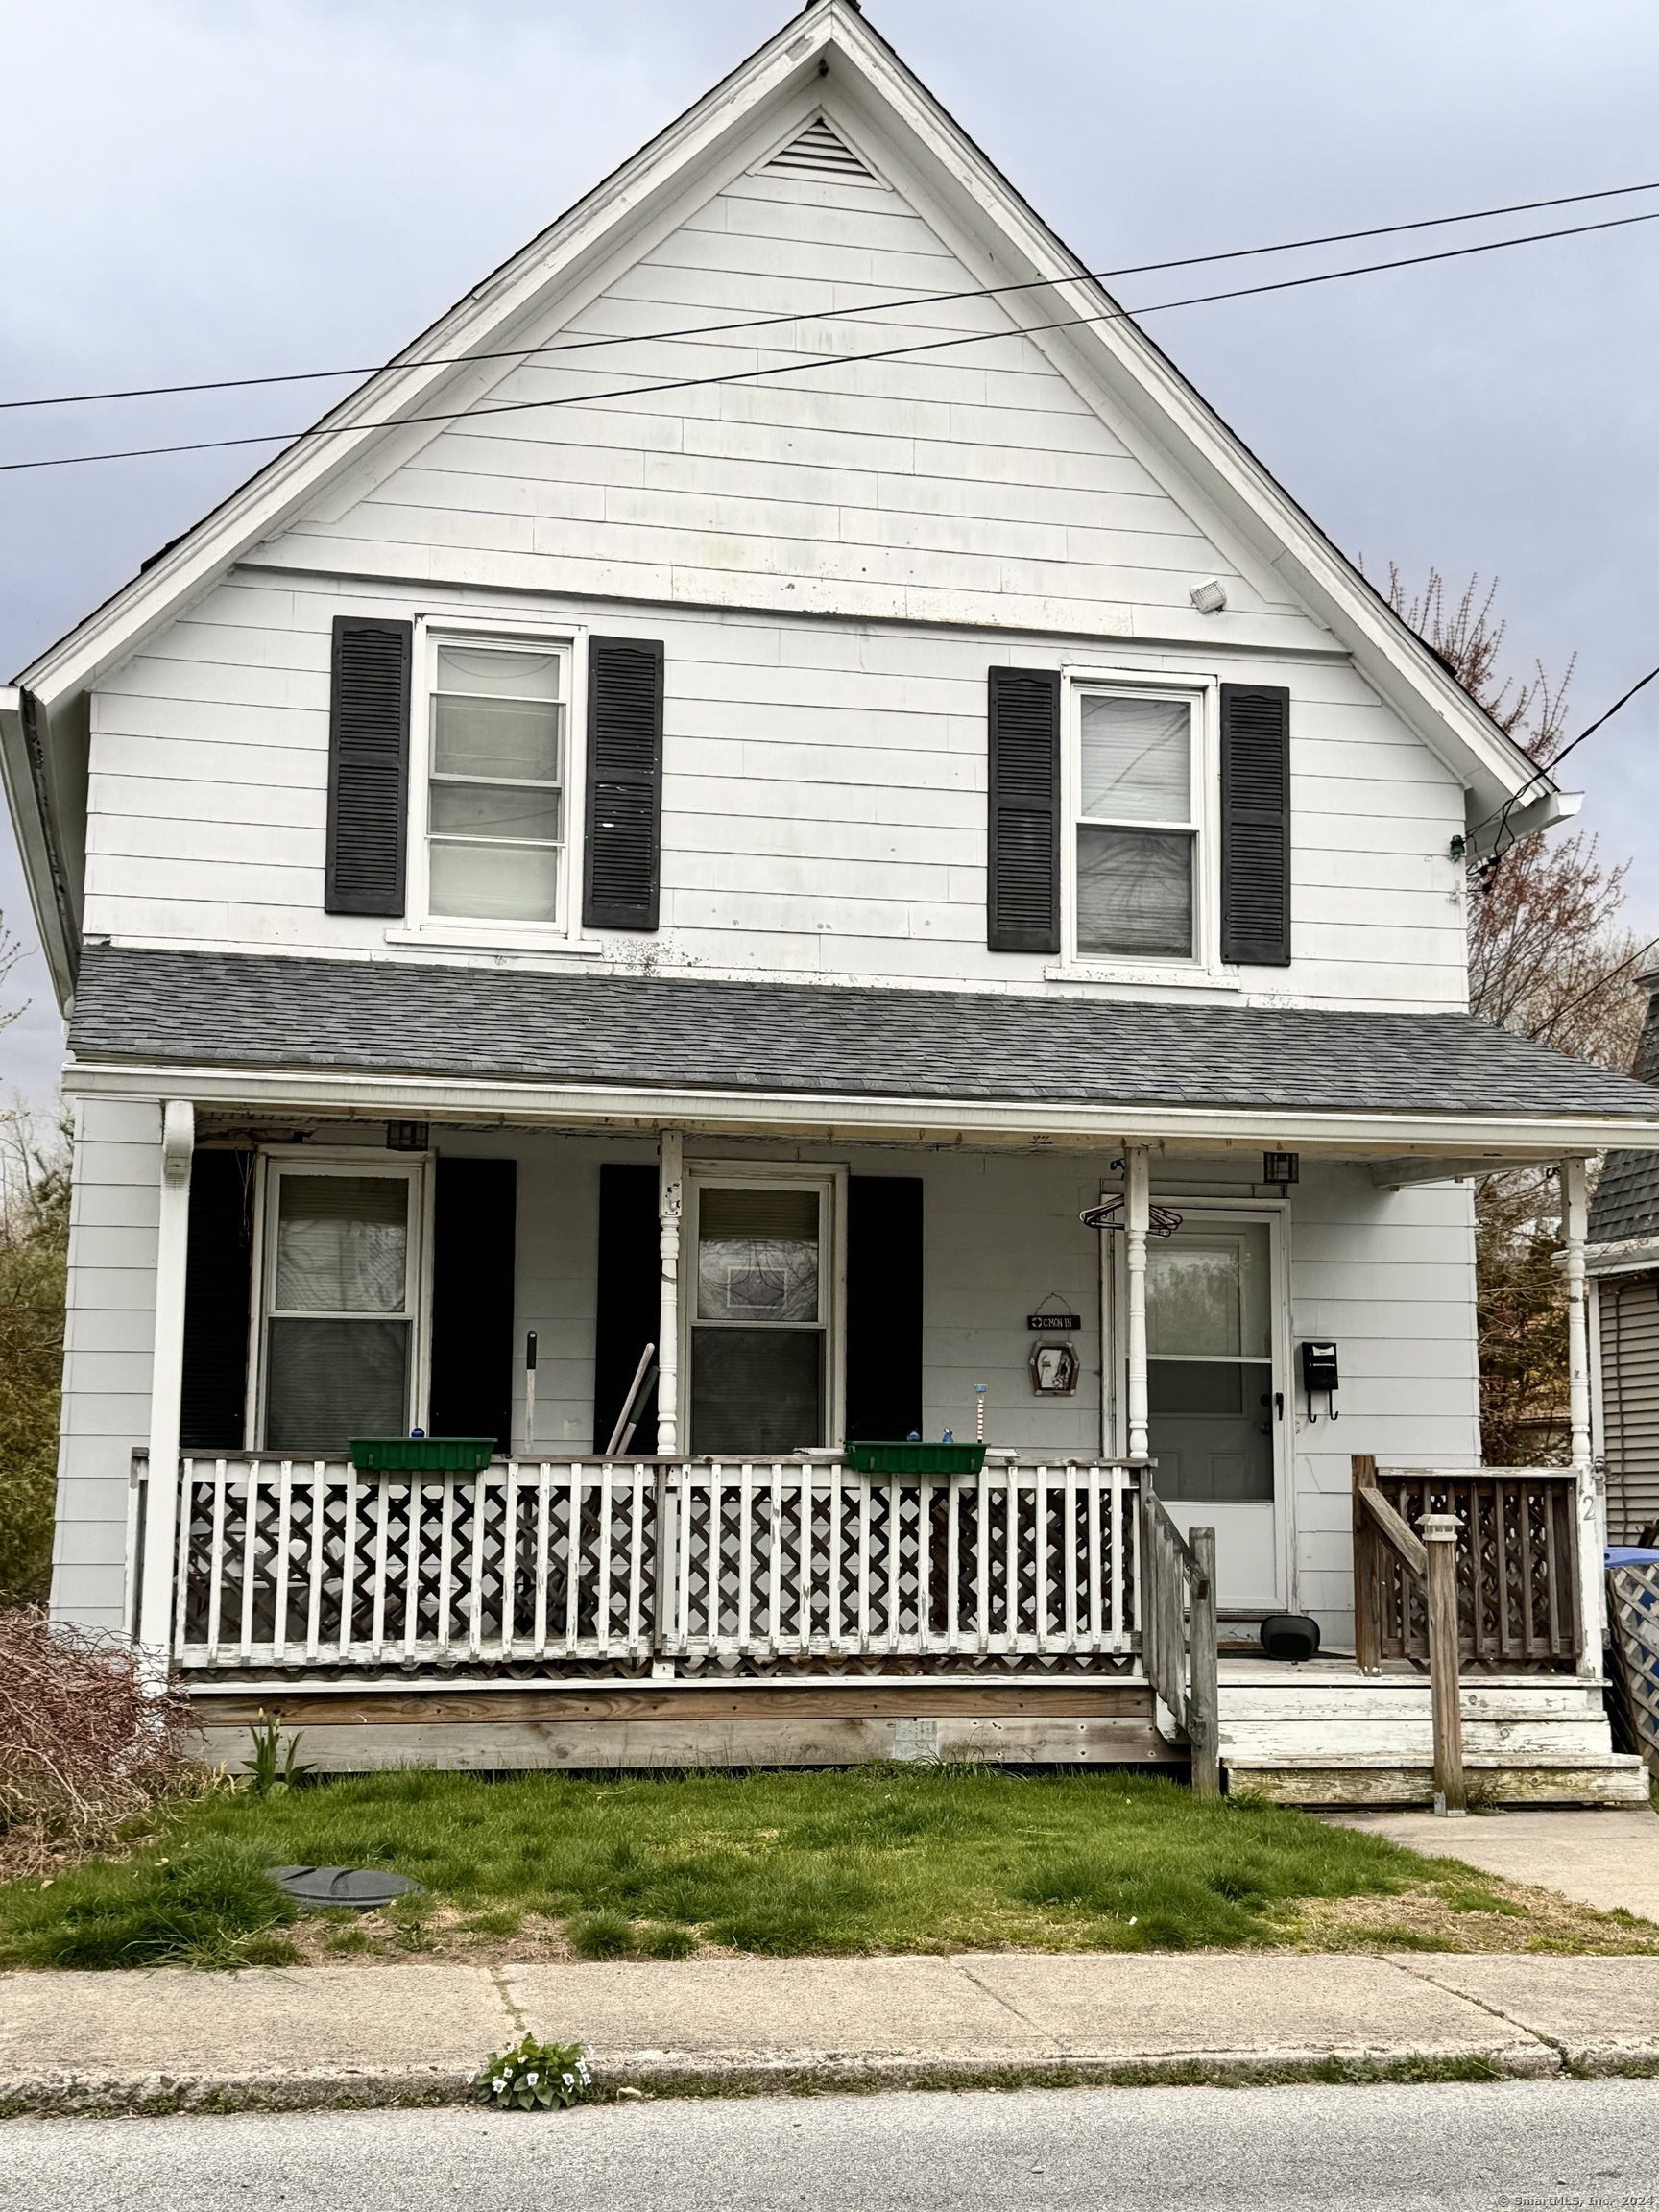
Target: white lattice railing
(296, 1564)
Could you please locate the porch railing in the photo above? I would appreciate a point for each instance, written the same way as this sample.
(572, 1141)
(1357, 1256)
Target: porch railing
(288, 1564)
(1516, 1566)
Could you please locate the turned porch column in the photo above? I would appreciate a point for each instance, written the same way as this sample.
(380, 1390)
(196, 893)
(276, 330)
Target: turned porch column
(154, 1609)
(1591, 1534)
(668, 1204)
(1137, 1202)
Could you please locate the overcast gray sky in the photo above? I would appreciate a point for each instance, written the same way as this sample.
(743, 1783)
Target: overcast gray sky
(196, 189)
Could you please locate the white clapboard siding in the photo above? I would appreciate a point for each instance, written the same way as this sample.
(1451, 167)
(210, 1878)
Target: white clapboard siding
(1629, 1332)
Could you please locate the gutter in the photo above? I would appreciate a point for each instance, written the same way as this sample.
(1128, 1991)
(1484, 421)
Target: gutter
(26, 774)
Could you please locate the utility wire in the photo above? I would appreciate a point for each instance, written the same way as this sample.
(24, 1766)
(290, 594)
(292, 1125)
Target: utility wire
(1548, 771)
(828, 314)
(823, 361)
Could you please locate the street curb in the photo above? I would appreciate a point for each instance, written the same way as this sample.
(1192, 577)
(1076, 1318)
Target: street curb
(660, 2076)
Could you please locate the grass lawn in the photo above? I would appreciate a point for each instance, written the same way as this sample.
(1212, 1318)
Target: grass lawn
(861, 1859)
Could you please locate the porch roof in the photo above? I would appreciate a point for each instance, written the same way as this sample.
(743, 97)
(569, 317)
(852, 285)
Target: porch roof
(220, 1011)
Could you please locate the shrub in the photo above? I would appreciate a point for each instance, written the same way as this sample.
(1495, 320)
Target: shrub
(83, 1745)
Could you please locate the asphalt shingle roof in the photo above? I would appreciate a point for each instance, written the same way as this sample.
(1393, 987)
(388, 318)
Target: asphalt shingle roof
(269, 1011)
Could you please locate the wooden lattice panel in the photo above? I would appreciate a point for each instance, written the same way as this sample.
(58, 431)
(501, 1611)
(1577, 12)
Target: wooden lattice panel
(1633, 1619)
(1516, 1560)
(759, 1566)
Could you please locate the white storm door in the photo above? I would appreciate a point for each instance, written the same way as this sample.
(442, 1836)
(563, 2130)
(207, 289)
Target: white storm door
(1216, 1392)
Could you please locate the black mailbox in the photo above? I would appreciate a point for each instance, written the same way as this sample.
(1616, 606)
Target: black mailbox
(1319, 1367)
(1319, 1375)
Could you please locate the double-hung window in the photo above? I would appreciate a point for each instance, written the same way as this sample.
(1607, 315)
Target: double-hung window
(339, 1297)
(498, 783)
(1136, 826)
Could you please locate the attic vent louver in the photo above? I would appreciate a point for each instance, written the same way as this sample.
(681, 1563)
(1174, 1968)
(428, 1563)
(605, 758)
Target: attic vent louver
(819, 152)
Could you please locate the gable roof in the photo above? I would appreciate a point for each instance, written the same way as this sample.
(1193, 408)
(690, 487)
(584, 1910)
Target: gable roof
(829, 63)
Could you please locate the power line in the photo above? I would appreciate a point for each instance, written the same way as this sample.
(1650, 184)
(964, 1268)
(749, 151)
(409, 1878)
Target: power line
(828, 314)
(1547, 773)
(828, 360)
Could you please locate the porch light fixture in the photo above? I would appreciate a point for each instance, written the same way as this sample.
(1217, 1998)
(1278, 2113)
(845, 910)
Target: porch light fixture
(1281, 1168)
(1210, 596)
(408, 1136)
(1160, 1220)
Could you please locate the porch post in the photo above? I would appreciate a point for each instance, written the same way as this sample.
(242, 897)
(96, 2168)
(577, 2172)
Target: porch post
(670, 1156)
(1136, 1195)
(166, 1381)
(1591, 1530)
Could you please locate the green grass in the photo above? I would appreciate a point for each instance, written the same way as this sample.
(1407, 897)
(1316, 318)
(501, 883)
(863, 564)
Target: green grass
(865, 1860)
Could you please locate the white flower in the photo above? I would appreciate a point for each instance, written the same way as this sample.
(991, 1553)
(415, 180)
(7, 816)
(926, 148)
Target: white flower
(568, 2079)
(501, 2083)
(532, 2079)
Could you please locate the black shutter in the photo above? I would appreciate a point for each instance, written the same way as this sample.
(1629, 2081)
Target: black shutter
(367, 766)
(474, 1220)
(1024, 825)
(624, 783)
(218, 1290)
(883, 1306)
(628, 1304)
(1256, 825)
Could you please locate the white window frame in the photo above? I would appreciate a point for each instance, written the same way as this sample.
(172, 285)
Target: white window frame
(273, 1164)
(831, 1183)
(1203, 694)
(432, 634)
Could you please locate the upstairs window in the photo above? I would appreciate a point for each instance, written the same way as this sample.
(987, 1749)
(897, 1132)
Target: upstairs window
(497, 784)
(1137, 828)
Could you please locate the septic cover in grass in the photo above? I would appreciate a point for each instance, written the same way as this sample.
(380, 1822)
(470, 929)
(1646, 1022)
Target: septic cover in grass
(360, 1886)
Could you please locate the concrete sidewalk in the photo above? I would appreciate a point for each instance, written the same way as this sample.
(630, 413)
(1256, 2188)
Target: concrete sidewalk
(1604, 1857)
(386, 2035)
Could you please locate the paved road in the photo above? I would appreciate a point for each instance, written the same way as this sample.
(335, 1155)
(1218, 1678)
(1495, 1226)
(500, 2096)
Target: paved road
(1559, 2142)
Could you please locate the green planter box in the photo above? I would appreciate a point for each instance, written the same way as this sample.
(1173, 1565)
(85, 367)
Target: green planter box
(915, 1458)
(422, 1454)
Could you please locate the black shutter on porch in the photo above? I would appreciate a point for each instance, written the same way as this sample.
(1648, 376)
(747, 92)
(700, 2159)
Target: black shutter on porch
(627, 1305)
(1024, 811)
(367, 766)
(883, 1306)
(621, 885)
(474, 1240)
(1256, 825)
(218, 1288)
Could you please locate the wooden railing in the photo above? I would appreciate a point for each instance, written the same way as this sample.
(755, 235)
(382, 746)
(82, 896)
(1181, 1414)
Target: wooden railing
(1178, 1636)
(1516, 1566)
(1425, 1560)
(286, 1564)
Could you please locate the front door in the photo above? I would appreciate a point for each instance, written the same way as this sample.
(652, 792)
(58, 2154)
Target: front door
(1216, 1398)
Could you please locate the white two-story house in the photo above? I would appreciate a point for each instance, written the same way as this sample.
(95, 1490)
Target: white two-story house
(623, 898)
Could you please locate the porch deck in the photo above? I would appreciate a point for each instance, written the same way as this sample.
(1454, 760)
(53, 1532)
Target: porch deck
(656, 1613)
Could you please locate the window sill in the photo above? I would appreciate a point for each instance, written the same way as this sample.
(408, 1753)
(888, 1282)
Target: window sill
(495, 937)
(1188, 978)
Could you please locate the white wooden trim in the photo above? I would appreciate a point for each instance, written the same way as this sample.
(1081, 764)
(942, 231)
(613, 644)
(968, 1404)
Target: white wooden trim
(670, 1212)
(1591, 1501)
(166, 1384)
(414, 1168)
(830, 1179)
(384, 1095)
(1137, 1170)
(1202, 692)
(432, 634)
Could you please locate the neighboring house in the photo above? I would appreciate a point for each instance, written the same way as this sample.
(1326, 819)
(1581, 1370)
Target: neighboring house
(1622, 1258)
(777, 756)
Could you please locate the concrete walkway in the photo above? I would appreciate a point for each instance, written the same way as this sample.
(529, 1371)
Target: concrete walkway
(1605, 1858)
(380, 2034)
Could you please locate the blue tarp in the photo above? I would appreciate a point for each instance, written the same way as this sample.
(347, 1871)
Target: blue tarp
(1629, 1555)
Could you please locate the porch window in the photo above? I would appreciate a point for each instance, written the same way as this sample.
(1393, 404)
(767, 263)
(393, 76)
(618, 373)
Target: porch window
(1136, 826)
(758, 1334)
(496, 785)
(339, 1302)
(1209, 1362)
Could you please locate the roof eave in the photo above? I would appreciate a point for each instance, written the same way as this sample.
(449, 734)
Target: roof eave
(23, 770)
